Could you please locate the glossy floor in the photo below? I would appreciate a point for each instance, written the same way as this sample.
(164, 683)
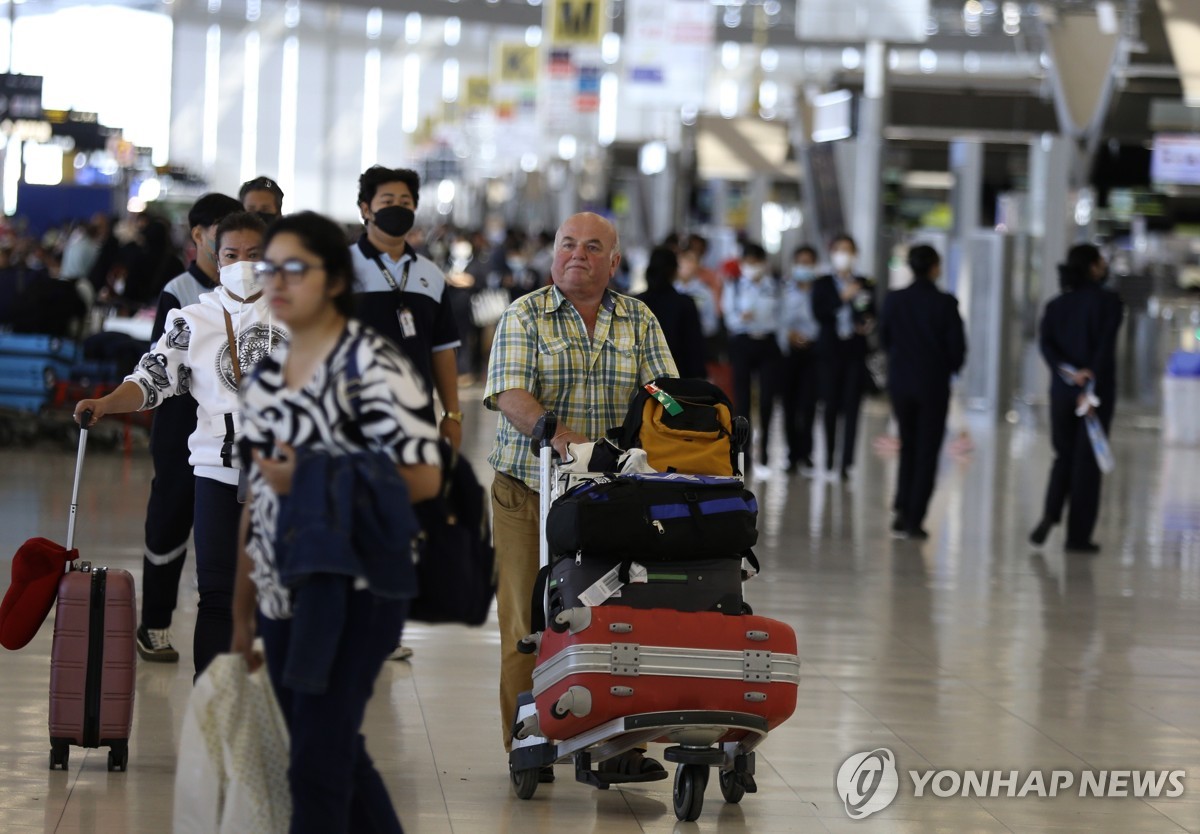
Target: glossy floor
(971, 651)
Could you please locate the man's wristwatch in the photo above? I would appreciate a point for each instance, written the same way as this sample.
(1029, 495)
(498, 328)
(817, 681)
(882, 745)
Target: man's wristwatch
(456, 416)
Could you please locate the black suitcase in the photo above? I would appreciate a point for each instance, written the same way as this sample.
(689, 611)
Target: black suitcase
(706, 585)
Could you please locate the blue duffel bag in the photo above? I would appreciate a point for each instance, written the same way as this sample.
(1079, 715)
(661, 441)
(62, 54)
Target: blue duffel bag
(659, 516)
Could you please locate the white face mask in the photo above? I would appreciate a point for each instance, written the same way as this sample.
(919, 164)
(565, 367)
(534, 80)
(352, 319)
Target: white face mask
(240, 279)
(752, 270)
(842, 260)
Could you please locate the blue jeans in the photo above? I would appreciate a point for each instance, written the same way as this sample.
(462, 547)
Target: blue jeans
(335, 786)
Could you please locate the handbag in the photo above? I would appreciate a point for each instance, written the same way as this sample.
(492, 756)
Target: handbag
(488, 305)
(456, 565)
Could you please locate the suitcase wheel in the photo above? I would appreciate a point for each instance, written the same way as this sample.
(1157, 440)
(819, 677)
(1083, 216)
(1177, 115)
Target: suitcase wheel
(732, 787)
(688, 796)
(118, 759)
(60, 756)
(524, 782)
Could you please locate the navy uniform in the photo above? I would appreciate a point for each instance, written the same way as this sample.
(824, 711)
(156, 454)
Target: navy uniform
(751, 307)
(1079, 328)
(842, 356)
(406, 301)
(922, 332)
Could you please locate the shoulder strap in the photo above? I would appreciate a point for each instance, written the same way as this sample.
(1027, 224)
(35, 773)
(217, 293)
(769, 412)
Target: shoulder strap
(233, 348)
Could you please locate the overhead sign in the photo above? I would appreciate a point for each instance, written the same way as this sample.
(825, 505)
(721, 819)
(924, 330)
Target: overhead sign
(479, 91)
(576, 22)
(518, 63)
(20, 97)
(893, 21)
(668, 50)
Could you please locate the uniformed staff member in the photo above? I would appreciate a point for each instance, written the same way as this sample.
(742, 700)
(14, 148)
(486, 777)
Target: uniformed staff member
(797, 335)
(844, 304)
(751, 306)
(402, 294)
(1078, 340)
(263, 196)
(923, 334)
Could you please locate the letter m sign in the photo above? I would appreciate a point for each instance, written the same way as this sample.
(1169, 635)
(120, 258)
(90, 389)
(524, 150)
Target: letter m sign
(576, 21)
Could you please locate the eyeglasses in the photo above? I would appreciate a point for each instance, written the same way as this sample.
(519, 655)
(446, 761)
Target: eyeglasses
(293, 270)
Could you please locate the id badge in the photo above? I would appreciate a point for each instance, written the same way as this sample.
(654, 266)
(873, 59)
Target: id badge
(408, 327)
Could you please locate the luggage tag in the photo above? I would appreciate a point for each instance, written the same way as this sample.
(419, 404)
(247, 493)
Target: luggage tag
(610, 585)
(408, 325)
(666, 400)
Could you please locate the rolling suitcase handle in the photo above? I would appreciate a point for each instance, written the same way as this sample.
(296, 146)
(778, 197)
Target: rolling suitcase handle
(85, 420)
(542, 445)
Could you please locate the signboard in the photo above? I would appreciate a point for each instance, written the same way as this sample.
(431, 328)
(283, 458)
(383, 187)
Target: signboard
(837, 21)
(1175, 159)
(518, 63)
(668, 51)
(479, 91)
(20, 97)
(576, 22)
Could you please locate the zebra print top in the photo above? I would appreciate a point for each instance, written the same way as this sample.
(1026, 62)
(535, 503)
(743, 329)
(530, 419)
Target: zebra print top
(319, 417)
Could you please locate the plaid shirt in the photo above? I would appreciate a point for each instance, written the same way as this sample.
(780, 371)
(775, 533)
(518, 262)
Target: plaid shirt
(541, 346)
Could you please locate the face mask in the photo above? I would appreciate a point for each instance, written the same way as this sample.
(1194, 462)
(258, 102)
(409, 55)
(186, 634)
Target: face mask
(395, 220)
(516, 264)
(842, 261)
(803, 274)
(267, 217)
(751, 270)
(240, 279)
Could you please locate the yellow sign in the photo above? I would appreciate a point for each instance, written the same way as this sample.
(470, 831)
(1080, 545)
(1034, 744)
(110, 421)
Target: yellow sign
(518, 62)
(574, 22)
(479, 91)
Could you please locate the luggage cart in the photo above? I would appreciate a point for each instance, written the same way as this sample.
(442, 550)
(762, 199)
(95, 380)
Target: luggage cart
(700, 739)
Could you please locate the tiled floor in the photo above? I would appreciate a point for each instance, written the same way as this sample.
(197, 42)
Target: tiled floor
(971, 651)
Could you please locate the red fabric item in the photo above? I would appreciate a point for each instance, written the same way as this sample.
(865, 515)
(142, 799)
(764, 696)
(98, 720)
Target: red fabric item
(36, 569)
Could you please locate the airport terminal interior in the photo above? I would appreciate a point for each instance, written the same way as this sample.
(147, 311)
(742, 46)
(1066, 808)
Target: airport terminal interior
(1064, 676)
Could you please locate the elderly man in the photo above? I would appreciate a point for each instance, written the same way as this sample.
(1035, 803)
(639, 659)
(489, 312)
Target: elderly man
(581, 350)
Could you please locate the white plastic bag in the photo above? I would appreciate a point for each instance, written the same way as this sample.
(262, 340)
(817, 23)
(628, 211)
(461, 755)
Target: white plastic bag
(231, 775)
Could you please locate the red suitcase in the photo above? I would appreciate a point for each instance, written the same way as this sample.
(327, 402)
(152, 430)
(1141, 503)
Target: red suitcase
(93, 657)
(92, 665)
(616, 661)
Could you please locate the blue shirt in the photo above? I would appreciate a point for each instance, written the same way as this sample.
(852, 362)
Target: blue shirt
(797, 315)
(752, 307)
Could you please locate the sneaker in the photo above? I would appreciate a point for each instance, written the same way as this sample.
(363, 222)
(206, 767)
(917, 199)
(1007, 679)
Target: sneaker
(401, 653)
(762, 472)
(1039, 534)
(546, 775)
(632, 763)
(154, 645)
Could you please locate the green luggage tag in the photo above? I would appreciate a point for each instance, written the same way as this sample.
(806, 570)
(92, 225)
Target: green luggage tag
(666, 400)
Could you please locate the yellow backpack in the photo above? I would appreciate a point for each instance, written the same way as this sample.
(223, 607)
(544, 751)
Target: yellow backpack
(684, 425)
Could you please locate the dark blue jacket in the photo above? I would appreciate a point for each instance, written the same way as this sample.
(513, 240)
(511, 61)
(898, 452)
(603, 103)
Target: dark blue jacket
(923, 335)
(1079, 328)
(348, 518)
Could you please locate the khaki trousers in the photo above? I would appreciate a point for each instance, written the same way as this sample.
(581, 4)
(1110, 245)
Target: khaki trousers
(515, 509)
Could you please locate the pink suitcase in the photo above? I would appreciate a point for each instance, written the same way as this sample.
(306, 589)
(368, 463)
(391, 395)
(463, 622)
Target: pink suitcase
(616, 661)
(92, 665)
(93, 658)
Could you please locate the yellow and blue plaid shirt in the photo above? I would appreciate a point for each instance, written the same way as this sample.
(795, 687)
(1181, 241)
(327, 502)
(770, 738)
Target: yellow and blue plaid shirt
(542, 346)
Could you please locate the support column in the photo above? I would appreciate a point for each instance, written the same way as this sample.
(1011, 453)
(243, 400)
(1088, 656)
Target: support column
(966, 164)
(872, 118)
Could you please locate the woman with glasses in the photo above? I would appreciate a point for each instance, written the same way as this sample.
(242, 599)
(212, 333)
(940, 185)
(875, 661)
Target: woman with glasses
(299, 405)
(205, 350)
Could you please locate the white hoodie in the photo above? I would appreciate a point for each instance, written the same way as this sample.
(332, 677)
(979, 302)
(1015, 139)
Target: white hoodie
(192, 356)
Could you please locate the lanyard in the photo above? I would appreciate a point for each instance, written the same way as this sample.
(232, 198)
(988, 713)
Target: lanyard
(233, 347)
(387, 274)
